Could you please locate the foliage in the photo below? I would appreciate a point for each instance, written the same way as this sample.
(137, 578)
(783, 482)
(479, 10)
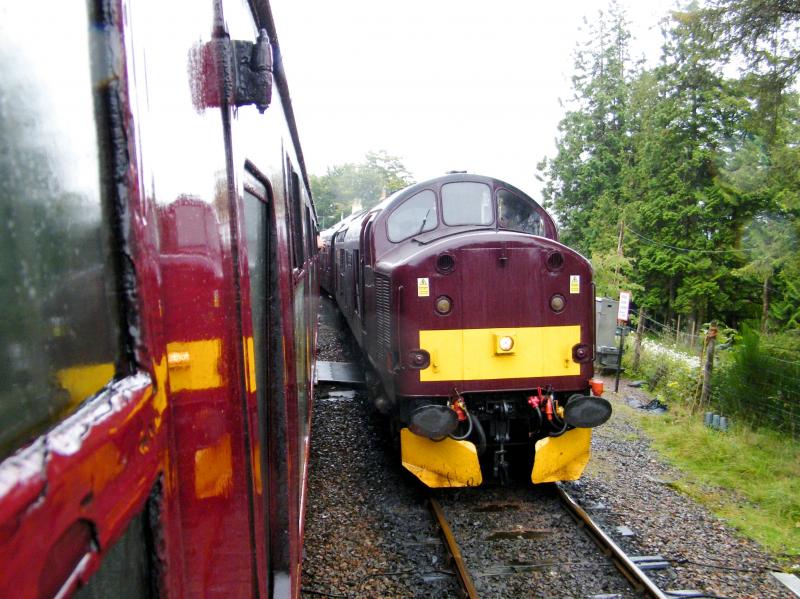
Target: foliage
(583, 182)
(357, 184)
(754, 384)
(682, 182)
(765, 32)
(613, 273)
(756, 379)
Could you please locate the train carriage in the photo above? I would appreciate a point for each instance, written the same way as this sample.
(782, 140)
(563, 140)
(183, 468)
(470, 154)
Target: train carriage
(478, 326)
(158, 303)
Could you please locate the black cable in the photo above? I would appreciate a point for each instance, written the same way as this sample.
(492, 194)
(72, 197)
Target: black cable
(683, 560)
(469, 429)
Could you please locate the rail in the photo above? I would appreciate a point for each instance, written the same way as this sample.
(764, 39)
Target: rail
(638, 579)
(464, 578)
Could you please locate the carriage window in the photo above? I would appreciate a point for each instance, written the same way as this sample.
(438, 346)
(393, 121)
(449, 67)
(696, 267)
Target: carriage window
(58, 331)
(416, 215)
(517, 214)
(310, 237)
(296, 218)
(467, 203)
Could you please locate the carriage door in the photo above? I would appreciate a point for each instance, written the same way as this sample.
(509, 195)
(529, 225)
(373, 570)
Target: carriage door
(258, 230)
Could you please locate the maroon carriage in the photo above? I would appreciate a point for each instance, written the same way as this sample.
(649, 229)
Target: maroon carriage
(478, 325)
(157, 299)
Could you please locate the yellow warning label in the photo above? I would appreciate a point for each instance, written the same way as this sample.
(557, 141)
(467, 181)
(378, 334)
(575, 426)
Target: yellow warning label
(574, 283)
(423, 287)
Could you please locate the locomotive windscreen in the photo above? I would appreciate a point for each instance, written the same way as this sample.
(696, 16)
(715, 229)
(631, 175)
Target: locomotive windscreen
(467, 203)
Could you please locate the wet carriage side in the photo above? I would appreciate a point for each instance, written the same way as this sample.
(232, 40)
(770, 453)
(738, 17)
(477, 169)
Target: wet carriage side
(157, 293)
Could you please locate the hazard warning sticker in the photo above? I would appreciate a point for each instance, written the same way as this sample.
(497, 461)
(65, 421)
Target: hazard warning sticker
(574, 284)
(423, 287)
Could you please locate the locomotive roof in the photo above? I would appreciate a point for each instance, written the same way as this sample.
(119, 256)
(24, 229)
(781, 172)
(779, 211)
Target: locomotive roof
(406, 192)
(351, 225)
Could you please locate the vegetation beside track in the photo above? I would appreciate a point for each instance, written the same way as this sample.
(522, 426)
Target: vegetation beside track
(748, 476)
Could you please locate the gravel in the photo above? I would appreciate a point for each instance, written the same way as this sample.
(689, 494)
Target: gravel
(368, 532)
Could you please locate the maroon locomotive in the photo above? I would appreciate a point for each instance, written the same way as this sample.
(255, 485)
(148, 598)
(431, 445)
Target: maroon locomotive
(157, 303)
(478, 326)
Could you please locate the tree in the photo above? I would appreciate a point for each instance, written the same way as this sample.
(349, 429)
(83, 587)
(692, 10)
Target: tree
(364, 183)
(765, 32)
(583, 183)
(688, 220)
(770, 243)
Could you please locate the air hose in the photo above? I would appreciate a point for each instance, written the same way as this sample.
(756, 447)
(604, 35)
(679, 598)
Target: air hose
(476, 426)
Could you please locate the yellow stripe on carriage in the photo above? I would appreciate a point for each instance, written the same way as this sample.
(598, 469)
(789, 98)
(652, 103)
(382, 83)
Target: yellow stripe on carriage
(473, 355)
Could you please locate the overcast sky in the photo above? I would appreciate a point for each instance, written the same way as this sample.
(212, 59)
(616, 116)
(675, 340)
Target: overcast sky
(443, 84)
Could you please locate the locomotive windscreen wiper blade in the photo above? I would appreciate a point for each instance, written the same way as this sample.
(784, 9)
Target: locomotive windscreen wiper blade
(459, 232)
(424, 220)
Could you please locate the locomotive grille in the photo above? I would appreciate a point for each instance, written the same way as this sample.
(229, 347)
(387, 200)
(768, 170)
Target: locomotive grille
(383, 319)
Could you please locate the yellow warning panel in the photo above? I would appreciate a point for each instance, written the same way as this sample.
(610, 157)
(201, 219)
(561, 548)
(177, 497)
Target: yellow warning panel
(562, 458)
(476, 355)
(445, 463)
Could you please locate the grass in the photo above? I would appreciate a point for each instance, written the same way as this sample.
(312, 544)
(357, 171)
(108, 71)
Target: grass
(749, 478)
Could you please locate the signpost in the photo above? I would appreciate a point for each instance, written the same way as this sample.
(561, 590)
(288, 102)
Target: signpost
(622, 321)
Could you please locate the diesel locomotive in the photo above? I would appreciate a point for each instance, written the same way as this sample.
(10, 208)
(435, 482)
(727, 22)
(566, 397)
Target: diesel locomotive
(158, 298)
(478, 328)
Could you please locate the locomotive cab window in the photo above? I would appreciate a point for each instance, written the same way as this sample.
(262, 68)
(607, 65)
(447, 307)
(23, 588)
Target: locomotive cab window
(516, 214)
(416, 215)
(467, 203)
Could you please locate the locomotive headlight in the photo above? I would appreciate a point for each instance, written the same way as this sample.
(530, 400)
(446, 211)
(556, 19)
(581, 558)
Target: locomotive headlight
(557, 302)
(504, 343)
(444, 304)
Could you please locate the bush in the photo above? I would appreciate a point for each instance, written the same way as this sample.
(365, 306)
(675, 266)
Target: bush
(671, 375)
(759, 384)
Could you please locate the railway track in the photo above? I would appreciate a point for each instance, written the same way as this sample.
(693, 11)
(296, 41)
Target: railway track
(545, 560)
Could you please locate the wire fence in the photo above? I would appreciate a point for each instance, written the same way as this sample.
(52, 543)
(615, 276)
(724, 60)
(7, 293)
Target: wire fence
(749, 381)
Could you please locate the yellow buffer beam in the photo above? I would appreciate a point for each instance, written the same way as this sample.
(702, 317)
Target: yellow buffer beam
(472, 354)
(445, 463)
(562, 458)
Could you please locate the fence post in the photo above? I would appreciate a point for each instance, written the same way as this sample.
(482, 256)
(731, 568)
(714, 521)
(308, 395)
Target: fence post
(711, 340)
(637, 346)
